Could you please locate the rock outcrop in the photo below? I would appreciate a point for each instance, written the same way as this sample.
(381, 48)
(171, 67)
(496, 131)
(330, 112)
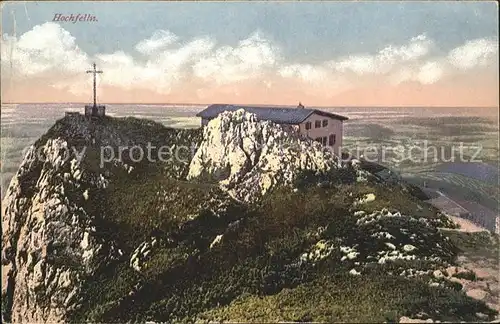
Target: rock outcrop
(48, 241)
(248, 157)
(50, 213)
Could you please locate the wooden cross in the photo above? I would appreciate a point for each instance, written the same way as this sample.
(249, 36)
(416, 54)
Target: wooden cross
(95, 73)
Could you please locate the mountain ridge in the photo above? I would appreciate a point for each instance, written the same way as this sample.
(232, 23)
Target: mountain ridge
(131, 240)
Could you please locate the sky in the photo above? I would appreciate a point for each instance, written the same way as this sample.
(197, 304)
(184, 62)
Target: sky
(320, 53)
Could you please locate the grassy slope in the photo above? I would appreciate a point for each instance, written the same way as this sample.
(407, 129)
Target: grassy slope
(247, 277)
(476, 245)
(335, 296)
(350, 299)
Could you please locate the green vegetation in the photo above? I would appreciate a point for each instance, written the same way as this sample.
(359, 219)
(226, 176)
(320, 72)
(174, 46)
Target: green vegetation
(467, 275)
(309, 178)
(254, 273)
(477, 245)
(344, 298)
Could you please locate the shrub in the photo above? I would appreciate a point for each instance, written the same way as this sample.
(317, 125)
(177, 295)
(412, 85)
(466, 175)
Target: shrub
(325, 179)
(467, 275)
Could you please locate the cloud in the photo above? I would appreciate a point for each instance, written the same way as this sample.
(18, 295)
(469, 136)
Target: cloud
(386, 59)
(399, 63)
(407, 62)
(430, 73)
(183, 56)
(160, 72)
(252, 57)
(475, 53)
(425, 73)
(45, 48)
(121, 69)
(159, 40)
(306, 72)
(164, 62)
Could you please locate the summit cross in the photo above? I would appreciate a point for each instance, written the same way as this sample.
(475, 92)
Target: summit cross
(94, 71)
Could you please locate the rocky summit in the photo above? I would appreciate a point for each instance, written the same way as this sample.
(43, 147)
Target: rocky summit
(254, 223)
(248, 157)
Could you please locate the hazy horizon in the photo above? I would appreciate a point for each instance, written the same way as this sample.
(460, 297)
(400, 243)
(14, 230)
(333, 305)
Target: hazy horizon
(240, 103)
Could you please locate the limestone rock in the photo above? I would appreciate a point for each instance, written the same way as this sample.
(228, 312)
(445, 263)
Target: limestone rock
(44, 232)
(477, 293)
(405, 319)
(142, 253)
(248, 157)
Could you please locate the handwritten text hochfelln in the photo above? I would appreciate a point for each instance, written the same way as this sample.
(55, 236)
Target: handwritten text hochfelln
(74, 18)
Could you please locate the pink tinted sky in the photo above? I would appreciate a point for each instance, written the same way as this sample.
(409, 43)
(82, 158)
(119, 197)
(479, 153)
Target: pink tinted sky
(479, 91)
(418, 54)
